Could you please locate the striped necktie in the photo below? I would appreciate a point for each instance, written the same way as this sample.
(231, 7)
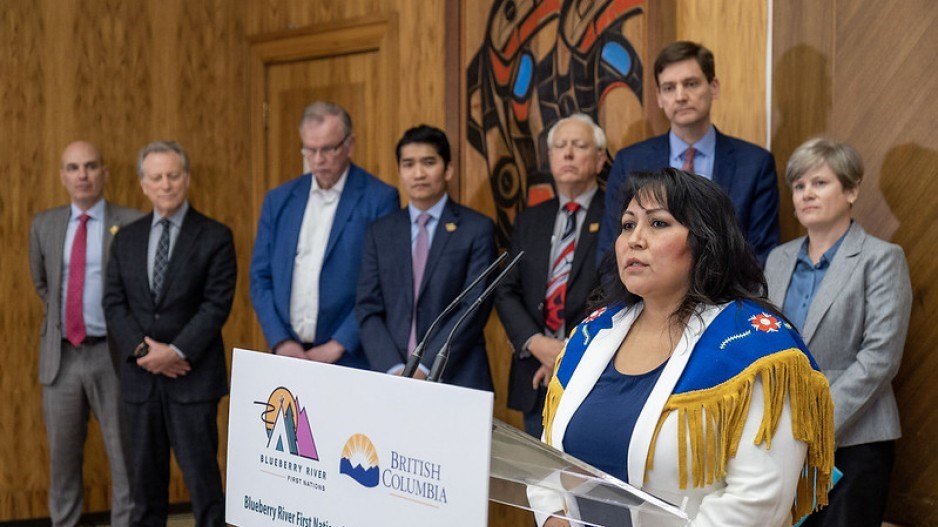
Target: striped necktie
(560, 271)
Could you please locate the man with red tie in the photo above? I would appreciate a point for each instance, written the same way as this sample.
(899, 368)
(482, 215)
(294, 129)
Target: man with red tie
(686, 86)
(545, 295)
(68, 253)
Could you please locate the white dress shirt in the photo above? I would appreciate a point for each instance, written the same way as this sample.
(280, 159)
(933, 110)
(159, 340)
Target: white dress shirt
(310, 252)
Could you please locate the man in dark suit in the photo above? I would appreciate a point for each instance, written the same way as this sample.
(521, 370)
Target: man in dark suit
(685, 76)
(68, 254)
(170, 284)
(441, 246)
(309, 243)
(545, 296)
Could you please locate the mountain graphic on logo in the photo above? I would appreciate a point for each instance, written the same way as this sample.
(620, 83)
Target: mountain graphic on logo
(287, 425)
(360, 461)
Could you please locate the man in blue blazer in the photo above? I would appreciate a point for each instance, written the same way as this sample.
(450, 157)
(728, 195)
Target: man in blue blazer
(457, 244)
(685, 76)
(308, 248)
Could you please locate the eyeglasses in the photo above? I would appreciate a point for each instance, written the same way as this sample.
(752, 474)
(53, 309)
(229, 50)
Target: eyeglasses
(326, 151)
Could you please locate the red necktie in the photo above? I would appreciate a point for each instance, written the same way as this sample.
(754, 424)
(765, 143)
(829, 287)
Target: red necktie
(689, 160)
(74, 314)
(560, 271)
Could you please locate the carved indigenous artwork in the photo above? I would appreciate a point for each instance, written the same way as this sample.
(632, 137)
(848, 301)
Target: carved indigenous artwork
(540, 61)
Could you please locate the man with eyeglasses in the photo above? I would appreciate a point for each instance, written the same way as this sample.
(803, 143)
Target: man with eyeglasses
(543, 298)
(308, 249)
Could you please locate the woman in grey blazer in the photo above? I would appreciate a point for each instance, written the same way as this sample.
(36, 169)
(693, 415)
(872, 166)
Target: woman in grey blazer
(849, 294)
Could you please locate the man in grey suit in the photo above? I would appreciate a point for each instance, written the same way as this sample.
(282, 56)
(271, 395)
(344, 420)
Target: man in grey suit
(68, 253)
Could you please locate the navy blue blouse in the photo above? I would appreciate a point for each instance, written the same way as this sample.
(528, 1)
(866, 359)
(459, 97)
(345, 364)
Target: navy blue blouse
(601, 428)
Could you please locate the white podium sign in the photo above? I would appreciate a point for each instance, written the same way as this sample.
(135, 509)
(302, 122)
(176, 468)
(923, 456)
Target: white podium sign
(316, 445)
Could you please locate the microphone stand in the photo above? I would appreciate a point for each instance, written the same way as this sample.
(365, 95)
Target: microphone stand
(439, 364)
(411, 367)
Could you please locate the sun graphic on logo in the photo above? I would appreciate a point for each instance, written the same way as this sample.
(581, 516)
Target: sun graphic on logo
(360, 451)
(764, 322)
(359, 461)
(280, 402)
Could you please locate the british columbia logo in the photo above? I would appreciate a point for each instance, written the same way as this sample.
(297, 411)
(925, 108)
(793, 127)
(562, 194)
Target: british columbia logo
(287, 425)
(360, 461)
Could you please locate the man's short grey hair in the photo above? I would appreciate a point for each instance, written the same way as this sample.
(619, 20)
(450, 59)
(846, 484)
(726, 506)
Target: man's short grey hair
(599, 137)
(841, 158)
(317, 112)
(162, 147)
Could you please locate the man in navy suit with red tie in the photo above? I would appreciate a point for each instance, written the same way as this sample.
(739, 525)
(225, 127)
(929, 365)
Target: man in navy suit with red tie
(685, 76)
(416, 261)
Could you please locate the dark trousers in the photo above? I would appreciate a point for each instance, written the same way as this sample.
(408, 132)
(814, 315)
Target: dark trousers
(191, 432)
(859, 499)
(534, 419)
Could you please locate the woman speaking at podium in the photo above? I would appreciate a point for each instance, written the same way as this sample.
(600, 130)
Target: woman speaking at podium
(688, 383)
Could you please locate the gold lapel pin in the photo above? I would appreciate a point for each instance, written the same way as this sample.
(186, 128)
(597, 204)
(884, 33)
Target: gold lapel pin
(114, 229)
(594, 227)
(450, 227)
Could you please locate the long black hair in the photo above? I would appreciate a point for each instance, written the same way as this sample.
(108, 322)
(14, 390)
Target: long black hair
(724, 266)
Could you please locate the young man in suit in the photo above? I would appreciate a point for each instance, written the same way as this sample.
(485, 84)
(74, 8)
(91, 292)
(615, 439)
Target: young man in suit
(545, 296)
(170, 284)
(685, 77)
(437, 245)
(68, 253)
(309, 243)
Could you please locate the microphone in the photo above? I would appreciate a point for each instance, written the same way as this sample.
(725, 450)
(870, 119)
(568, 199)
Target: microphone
(411, 367)
(436, 372)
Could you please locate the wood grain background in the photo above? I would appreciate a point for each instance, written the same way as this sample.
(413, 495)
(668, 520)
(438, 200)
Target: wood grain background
(124, 72)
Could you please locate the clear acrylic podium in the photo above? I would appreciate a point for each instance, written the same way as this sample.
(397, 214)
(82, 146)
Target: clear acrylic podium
(528, 474)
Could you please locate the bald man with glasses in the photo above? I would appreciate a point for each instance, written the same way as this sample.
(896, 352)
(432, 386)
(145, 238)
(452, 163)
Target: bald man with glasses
(309, 245)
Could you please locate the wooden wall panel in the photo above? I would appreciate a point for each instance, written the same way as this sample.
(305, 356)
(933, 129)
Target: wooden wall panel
(22, 154)
(736, 34)
(122, 73)
(863, 73)
(119, 74)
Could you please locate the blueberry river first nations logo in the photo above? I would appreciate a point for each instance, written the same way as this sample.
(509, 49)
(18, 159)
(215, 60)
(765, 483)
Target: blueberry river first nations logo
(287, 425)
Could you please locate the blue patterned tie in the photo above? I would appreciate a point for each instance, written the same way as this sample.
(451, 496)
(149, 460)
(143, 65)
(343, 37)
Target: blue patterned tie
(161, 261)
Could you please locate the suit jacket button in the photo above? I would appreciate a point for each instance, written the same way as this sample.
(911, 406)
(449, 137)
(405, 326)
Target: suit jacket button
(156, 316)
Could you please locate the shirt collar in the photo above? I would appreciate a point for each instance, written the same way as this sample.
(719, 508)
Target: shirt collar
(337, 188)
(174, 218)
(828, 255)
(435, 211)
(706, 146)
(583, 199)
(96, 212)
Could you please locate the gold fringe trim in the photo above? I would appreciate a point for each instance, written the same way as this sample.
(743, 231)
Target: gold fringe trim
(710, 423)
(552, 400)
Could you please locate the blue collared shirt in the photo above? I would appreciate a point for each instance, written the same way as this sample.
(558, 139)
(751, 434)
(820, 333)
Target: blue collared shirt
(703, 158)
(435, 212)
(94, 268)
(805, 280)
